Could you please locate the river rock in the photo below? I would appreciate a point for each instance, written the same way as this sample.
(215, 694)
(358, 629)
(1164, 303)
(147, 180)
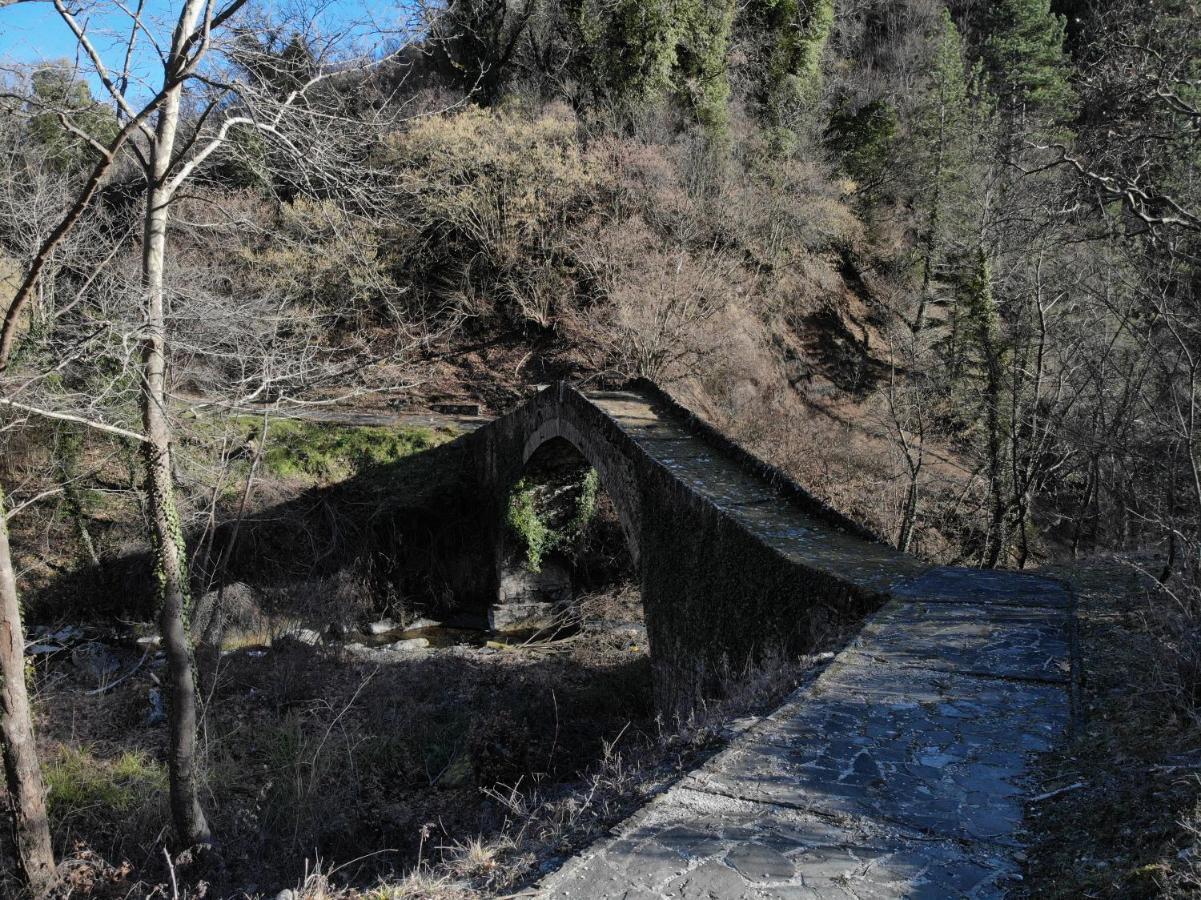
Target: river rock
(383, 626)
(306, 636)
(422, 623)
(530, 600)
(550, 584)
(157, 714)
(514, 616)
(67, 633)
(411, 644)
(95, 660)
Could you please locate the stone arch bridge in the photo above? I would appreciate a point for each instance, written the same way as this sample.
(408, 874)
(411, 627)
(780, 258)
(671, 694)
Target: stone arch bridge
(735, 560)
(900, 770)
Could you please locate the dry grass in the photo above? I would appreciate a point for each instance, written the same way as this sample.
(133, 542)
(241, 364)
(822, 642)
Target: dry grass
(451, 774)
(547, 821)
(1131, 828)
(309, 752)
(422, 883)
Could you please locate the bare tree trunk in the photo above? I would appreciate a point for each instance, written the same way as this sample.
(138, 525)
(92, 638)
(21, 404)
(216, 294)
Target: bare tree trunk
(914, 452)
(930, 239)
(23, 777)
(996, 540)
(985, 324)
(1169, 519)
(909, 518)
(79, 517)
(167, 539)
(196, 24)
(1089, 487)
(1022, 527)
(209, 649)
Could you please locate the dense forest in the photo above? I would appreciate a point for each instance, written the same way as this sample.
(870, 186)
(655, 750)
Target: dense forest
(940, 262)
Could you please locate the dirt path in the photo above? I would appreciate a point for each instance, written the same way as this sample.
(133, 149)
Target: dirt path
(347, 416)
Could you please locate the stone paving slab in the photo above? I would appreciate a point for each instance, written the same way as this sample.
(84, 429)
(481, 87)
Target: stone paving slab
(970, 638)
(933, 751)
(638, 418)
(875, 567)
(715, 477)
(952, 584)
(779, 522)
(712, 478)
(673, 452)
(901, 772)
(690, 844)
(877, 781)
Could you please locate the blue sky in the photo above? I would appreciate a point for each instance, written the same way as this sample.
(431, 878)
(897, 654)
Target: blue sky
(33, 32)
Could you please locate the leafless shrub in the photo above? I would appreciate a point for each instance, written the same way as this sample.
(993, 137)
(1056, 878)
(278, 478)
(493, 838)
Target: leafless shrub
(487, 201)
(1172, 617)
(661, 298)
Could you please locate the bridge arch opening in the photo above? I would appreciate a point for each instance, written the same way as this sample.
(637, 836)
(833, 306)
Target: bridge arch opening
(564, 537)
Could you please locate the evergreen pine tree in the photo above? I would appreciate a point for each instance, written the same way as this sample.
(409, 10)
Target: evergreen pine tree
(636, 52)
(701, 77)
(792, 37)
(865, 140)
(1027, 65)
(982, 322)
(948, 125)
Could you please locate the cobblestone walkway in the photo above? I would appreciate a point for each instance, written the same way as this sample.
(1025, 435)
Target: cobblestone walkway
(902, 771)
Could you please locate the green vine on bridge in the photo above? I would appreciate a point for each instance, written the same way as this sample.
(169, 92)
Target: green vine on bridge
(528, 518)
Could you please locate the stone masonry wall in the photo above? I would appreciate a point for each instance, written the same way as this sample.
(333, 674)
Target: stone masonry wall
(717, 598)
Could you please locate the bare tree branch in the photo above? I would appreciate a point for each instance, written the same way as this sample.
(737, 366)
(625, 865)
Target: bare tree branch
(71, 417)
